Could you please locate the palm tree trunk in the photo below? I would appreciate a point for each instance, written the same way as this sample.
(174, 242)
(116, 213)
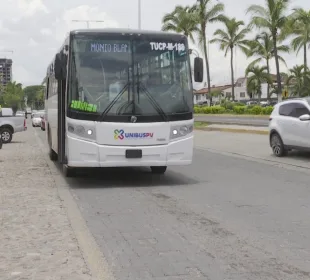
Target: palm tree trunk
(305, 58)
(232, 73)
(268, 85)
(279, 85)
(207, 64)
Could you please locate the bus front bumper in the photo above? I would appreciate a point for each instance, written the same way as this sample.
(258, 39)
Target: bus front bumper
(89, 154)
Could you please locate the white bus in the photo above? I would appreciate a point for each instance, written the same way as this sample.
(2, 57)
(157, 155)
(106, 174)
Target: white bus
(118, 98)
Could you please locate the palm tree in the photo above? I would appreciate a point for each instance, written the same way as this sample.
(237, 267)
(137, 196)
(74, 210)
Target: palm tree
(181, 20)
(232, 37)
(262, 47)
(258, 77)
(272, 18)
(299, 28)
(207, 14)
(296, 80)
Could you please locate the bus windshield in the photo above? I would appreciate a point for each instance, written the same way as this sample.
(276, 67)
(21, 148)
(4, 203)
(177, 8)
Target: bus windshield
(139, 75)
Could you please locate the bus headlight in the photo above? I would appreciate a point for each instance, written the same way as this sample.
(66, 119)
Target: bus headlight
(180, 131)
(87, 132)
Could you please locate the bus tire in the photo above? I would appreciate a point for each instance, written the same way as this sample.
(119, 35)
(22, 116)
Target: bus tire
(158, 169)
(68, 171)
(53, 156)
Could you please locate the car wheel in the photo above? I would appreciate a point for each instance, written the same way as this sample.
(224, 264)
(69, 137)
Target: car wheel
(6, 135)
(277, 145)
(158, 169)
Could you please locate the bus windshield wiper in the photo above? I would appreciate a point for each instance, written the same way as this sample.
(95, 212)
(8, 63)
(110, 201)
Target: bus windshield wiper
(117, 97)
(153, 101)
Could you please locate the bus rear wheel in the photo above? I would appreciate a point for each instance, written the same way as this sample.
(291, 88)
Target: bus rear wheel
(158, 169)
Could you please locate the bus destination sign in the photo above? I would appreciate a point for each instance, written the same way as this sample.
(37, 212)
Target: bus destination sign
(109, 48)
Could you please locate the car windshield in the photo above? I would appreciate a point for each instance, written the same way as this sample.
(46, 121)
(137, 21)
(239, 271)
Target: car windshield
(145, 76)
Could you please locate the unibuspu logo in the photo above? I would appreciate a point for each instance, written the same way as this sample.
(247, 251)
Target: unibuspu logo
(120, 134)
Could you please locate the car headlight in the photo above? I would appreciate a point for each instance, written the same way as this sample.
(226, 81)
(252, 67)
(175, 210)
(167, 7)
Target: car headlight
(180, 131)
(87, 132)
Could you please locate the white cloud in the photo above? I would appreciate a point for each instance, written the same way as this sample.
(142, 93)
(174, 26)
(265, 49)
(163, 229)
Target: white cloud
(45, 31)
(32, 43)
(31, 7)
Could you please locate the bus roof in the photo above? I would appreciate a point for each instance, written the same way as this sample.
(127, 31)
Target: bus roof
(123, 31)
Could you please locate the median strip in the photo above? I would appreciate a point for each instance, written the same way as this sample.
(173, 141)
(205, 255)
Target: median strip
(231, 128)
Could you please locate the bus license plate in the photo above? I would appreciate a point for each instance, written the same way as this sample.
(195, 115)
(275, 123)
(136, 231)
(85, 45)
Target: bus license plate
(133, 153)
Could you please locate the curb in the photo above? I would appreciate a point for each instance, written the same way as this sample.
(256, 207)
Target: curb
(232, 123)
(93, 257)
(232, 115)
(233, 130)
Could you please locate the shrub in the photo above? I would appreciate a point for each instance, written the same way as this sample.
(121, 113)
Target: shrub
(267, 110)
(198, 110)
(207, 110)
(228, 105)
(217, 110)
(239, 109)
(255, 110)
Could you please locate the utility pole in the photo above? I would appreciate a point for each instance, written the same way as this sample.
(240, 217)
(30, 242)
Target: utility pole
(87, 21)
(139, 14)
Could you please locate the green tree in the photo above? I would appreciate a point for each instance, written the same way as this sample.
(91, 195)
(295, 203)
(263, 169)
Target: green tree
(256, 76)
(34, 99)
(299, 28)
(207, 13)
(271, 17)
(232, 36)
(262, 48)
(181, 20)
(296, 80)
(13, 96)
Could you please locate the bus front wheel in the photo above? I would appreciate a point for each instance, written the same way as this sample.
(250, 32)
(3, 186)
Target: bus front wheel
(68, 171)
(158, 169)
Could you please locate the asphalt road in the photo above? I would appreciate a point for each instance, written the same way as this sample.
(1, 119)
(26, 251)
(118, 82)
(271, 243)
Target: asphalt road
(220, 218)
(233, 120)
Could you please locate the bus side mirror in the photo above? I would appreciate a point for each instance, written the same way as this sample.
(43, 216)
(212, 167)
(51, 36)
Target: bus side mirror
(60, 66)
(198, 69)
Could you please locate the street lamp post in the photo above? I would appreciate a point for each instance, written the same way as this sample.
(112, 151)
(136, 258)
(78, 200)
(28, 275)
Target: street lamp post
(87, 21)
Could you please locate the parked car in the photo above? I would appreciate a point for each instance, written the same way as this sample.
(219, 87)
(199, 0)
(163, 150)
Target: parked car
(33, 112)
(36, 120)
(10, 124)
(20, 114)
(43, 122)
(289, 126)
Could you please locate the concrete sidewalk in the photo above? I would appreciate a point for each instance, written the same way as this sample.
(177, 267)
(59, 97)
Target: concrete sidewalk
(36, 239)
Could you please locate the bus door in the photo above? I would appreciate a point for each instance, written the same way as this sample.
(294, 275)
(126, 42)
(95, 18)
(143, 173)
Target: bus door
(61, 76)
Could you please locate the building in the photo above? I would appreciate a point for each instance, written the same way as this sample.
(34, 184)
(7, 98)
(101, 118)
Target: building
(225, 92)
(202, 95)
(5, 71)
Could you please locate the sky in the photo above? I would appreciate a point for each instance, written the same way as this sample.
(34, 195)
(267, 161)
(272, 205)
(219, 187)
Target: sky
(35, 29)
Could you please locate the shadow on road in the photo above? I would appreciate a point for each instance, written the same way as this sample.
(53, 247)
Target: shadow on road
(125, 177)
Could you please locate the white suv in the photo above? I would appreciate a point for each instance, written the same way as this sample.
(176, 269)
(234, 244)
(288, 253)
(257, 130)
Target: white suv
(289, 126)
